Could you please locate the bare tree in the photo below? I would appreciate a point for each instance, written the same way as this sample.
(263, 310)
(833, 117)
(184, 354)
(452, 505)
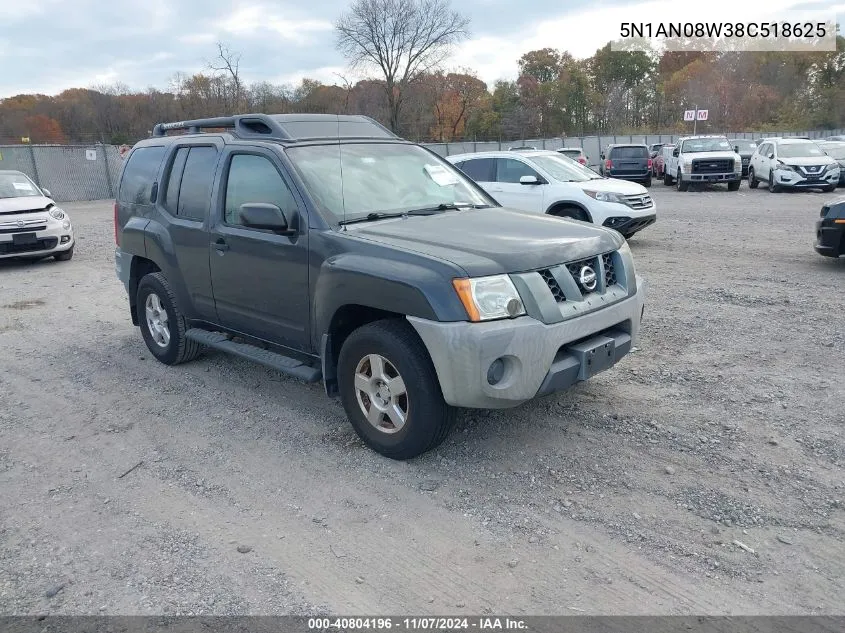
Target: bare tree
(229, 63)
(401, 38)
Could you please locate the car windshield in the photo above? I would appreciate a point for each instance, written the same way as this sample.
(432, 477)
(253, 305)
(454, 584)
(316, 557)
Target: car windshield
(17, 186)
(629, 152)
(355, 180)
(799, 150)
(836, 150)
(745, 146)
(564, 169)
(706, 145)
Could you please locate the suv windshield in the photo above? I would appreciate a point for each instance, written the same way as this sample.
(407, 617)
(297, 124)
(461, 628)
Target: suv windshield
(17, 186)
(629, 152)
(355, 180)
(799, 150)
(706, 145)
(563, 169)
(745, 146)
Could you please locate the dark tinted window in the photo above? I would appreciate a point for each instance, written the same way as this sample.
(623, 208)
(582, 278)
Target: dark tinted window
(195, 192)
(572, 153)
(479, 169)
(629, 152)
(139, 175)
(510, 170)
(254, 179)
(174, 179)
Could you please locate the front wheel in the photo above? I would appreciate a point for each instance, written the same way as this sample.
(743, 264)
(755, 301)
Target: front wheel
(829, 188)
(390, 390)
(682, 186)
(773, 186)
(163, 325)
(667, 179)
(752, 180)
(64, 256)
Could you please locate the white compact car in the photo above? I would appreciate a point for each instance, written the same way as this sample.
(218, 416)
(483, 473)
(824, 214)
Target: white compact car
(548, 182)
(791, 163)
(31, 224)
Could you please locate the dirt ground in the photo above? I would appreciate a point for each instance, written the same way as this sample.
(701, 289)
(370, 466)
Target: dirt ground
(703, 474)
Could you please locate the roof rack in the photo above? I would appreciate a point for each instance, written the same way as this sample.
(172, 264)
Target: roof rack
(285, 127)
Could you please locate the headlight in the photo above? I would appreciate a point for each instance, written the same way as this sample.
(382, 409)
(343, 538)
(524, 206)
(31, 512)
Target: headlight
(605, 196)
(832, 166)
(488, 298)
(783, 166)
(57, 213)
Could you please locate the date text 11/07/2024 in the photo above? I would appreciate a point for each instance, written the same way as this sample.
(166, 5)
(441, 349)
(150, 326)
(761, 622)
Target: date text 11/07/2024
(417, 623)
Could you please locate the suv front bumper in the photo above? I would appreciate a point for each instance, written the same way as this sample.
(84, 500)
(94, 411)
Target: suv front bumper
(830, 238)
(538, 358)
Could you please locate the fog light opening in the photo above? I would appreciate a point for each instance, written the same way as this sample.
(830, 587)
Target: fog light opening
(65, 239)
(496, 371)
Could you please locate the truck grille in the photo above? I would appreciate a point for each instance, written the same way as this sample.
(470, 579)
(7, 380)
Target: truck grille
(639, 201)
(712, 165)
(551, 282)
(609, 270)
(9, 248)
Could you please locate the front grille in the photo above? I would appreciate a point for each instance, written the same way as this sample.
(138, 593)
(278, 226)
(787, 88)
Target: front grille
(813, 170)
(745, 161)
(712, 166)
(41, 210)
(8, 248)
(553, 285)
(24, 229)
(639, 201)
(609, 270)
(575, 268)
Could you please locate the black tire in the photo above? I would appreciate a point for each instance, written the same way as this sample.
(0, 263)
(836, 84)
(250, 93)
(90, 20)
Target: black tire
(179, 349)
(682, 186)
(752, 181)
(734, 185)
(428, 418)
(773, 186)
(829, 188)
(647, 182)
(65, 256)
(575, 213)
(667, 179)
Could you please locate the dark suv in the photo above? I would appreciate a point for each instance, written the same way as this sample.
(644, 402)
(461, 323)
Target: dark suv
(329, 249)
(628, 162)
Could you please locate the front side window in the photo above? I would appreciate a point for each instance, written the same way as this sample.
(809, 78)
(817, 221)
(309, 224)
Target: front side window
(254, 179)
(353, 180)
(510, 171)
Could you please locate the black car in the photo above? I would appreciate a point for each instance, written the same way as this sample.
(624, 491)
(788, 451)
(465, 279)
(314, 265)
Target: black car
(628, 162)
(830, 229)
(329, 249)
(745, 149)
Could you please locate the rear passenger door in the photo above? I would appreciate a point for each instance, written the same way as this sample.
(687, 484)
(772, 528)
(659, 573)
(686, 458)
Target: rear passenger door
(183, 204)
(260, 278)
(511, 193)
(763, 167)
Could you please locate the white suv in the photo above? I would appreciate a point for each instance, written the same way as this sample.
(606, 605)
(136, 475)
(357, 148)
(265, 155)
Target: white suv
(792, 163)
(31, 225)
(548, 182)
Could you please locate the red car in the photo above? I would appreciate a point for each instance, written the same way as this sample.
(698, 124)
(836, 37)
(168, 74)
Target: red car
(659, 162)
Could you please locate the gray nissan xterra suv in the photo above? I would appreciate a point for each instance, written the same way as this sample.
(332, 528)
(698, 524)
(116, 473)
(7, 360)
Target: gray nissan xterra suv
(329, 249)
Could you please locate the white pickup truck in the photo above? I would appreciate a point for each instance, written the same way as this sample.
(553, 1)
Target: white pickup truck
(703, 159)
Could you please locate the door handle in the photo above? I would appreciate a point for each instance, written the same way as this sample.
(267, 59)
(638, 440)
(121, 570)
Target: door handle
(221, 246)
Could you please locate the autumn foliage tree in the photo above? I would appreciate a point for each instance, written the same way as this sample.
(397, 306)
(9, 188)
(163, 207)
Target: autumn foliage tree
(43, 129)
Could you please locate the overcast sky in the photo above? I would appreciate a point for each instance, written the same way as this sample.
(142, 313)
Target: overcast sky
(47, 46)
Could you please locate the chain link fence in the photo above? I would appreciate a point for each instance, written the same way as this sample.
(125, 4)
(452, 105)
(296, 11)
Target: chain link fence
(91, 172)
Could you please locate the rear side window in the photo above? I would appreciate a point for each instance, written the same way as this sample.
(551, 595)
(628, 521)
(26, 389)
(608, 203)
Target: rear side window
(139, 174)
(629, 152)
(171, 200)
(197, 178)
(479, 169)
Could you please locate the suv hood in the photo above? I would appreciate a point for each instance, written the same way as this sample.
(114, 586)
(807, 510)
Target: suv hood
(25, 203)
(808, 160)
(611, 185)
(492, 241)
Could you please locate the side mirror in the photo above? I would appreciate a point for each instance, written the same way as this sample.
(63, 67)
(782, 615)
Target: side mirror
(771, 154)
(736, 148)
(676, 152)
(601, 155)
(528, 180)
(46, 192)
(269, 217)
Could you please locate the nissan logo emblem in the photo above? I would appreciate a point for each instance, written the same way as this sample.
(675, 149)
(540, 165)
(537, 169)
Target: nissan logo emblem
(588, 278)
(20, 223)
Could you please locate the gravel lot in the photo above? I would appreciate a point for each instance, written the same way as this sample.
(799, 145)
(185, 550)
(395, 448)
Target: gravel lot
(703, 474)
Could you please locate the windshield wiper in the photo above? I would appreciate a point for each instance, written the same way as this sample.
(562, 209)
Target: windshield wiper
(372, 217)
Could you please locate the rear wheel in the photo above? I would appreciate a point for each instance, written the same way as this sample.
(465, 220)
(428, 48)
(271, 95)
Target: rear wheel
(752, 180)
(163, 325)
(667, 179)
(682, 186)
(390, 390)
